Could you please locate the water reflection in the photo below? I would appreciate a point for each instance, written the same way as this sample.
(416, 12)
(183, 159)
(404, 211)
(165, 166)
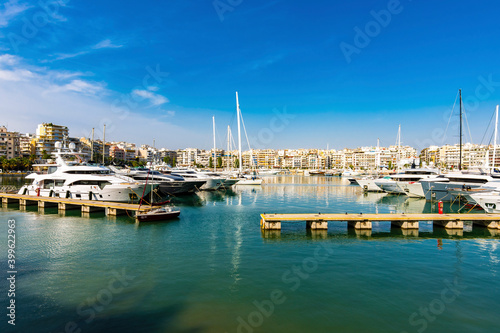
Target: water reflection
(304, 194)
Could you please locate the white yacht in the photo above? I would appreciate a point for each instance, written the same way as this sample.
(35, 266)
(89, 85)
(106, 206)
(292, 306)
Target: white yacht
(442, 187)
(227, 179)
(249, 180)
(82, 181)
(168, 184)
(407, 182)
(212, 183)
(368, 184)
(489, 201)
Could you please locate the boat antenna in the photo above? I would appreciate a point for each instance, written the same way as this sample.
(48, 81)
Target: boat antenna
(460, 158)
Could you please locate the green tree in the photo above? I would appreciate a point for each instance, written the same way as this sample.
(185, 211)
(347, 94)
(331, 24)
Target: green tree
(45, 156)
(237, 163)
(210, 163)
(174, 162)
(166, 159)
(219, 162)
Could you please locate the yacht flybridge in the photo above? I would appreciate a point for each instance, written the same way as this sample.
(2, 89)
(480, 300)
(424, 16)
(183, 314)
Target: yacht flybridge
(78, 180)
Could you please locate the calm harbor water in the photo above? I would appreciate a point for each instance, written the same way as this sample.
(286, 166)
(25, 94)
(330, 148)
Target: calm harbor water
(214, 270)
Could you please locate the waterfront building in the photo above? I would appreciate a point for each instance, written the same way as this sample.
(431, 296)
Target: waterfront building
(9, 143)
(117, 153)
(47, 134)
(188, 157)
(86, 144)
(448, 156)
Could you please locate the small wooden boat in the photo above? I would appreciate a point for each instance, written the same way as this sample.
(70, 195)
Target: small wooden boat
(158, 214)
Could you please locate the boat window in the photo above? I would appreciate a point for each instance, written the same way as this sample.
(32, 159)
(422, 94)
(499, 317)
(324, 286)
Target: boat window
(88, 172)
(48, 183)
(86, 182)
(51, 169)
(102, 184)
(468, 180)
(59, 182)
(408, 179)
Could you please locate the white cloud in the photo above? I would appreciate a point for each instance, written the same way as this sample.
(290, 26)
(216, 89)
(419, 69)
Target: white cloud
(25, 104)
(80, 86)
(62, 56)
(12, 8)
(31, 95)
(155, 99)
(8, 59)
(16, 75)
(14, 70)
(106, 44)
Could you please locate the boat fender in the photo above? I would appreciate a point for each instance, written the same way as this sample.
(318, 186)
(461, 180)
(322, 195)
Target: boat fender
(37, 191)
(90, 195)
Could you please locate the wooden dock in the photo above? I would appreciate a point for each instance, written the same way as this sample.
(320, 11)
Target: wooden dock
(62, 204)
(364, 221)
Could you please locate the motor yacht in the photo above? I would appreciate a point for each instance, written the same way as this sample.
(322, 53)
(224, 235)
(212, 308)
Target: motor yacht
(441, 188)
(407, 182)
(82, 181)
(212, 183)
(168, 184)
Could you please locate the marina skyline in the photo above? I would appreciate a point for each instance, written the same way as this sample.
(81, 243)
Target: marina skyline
(332, 74)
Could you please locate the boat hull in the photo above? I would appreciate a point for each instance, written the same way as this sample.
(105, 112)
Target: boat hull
(212, 184)
(412, 189)
(490, 202)
(368, 185)
(390, 187)
(113, 193)
(441, 191)
(181, 187)
(158, 217)
(256, 181)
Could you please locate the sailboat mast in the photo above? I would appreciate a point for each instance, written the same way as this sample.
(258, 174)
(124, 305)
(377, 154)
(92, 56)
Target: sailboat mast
(103, 143)
(215, 151)
(239, 134)
(460, 158)
(227, 151)
(495, 141)
(92, 146)
(399, 148)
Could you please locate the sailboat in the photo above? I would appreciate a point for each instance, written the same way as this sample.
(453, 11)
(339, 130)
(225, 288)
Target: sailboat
(160, 213)
(244, 180)
(444, 187)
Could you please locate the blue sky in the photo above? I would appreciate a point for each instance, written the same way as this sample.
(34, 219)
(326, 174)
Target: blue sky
(305, 74)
